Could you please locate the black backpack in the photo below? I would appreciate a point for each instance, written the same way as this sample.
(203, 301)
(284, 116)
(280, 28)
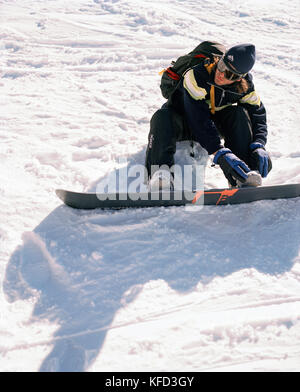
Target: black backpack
(207, 51)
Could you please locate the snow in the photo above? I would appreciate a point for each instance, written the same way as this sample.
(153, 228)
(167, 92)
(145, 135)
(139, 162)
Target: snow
(165, 289)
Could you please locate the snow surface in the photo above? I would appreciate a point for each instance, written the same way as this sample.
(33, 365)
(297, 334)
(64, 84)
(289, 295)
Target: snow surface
(173, 289)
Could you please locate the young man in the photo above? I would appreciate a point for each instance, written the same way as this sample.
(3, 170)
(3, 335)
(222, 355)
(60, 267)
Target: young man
(212, 103)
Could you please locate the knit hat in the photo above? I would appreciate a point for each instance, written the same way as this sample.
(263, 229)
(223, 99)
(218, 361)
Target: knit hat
(240, 58)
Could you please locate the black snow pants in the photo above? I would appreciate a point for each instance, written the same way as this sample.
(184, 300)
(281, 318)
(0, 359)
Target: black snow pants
(167, 127)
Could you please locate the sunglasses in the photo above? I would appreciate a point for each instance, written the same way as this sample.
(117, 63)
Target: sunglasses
(229, 75)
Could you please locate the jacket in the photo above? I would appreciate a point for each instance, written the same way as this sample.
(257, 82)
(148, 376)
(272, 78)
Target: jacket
(192, 99)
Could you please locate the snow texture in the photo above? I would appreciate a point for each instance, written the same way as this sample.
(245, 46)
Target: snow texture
(158, 289)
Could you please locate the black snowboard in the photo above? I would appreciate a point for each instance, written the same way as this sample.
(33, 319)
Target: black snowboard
(217, 197)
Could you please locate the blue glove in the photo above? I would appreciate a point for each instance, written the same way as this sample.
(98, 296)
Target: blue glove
(233, 167)
(260, 158)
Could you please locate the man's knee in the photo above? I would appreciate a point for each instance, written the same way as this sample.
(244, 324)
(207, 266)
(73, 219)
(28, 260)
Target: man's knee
(161, 139)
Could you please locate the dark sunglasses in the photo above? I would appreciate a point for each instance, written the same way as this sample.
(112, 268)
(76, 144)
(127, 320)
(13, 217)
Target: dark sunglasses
(229, 75)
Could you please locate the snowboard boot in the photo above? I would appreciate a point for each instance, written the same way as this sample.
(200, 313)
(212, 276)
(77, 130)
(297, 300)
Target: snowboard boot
(253, 179)
(162, 180)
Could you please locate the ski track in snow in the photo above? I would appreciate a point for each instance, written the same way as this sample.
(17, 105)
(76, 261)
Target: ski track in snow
(173, 289)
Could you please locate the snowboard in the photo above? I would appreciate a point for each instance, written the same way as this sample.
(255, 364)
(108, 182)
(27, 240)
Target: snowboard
(215, 197)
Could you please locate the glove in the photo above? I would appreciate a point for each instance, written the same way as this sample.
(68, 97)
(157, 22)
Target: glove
(233, 167)
(260, 159)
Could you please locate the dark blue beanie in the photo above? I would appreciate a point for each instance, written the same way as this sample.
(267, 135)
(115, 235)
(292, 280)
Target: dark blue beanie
(240, 58)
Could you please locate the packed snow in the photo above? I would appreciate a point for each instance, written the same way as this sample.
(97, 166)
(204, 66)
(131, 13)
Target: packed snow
(157, 289)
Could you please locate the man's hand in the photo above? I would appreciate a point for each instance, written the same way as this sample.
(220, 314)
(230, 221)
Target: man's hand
(260, 158)
(233, 167)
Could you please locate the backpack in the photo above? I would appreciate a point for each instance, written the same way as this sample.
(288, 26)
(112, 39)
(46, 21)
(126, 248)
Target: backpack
(204, 52)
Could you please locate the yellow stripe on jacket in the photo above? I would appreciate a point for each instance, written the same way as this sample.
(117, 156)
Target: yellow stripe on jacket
(251, 98)
(190, 84)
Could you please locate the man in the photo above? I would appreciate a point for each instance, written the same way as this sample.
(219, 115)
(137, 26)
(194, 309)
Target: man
(212, 103)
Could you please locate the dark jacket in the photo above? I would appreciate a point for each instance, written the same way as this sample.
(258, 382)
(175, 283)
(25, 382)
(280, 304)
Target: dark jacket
(192, 99)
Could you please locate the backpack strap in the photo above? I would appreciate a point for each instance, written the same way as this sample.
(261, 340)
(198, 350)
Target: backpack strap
(209, 67)
(212, 99)
(173, 75)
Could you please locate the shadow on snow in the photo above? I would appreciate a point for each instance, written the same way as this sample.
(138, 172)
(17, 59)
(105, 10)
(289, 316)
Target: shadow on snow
(86, 265)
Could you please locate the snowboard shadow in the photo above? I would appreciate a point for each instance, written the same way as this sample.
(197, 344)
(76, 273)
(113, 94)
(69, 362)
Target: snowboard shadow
(84, 266)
